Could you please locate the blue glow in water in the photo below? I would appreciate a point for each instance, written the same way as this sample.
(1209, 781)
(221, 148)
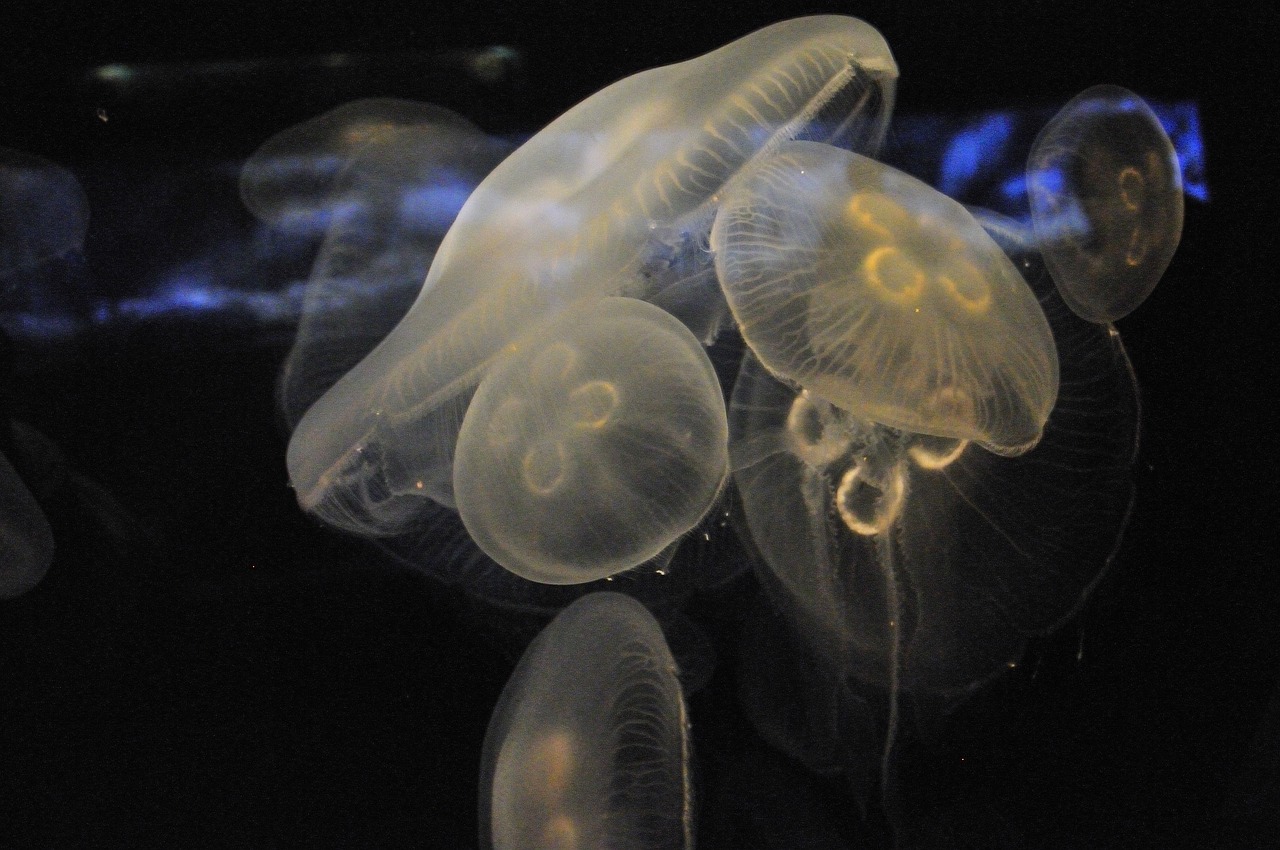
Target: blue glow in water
(434, 207)
(975, 152)
(1182, 122)
(976, 159)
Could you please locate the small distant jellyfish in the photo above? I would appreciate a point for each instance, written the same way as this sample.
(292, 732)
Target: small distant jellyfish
(593, 444)
(1106, 201)
(589, 743)
(43, 212)
(883, 297)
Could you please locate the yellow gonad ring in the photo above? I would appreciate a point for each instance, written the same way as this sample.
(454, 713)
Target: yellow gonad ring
(892, 276)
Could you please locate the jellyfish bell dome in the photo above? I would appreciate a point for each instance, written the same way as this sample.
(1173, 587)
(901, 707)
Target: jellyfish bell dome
(1106, 201)
(883, 297)
(589, 743)
(593, 444)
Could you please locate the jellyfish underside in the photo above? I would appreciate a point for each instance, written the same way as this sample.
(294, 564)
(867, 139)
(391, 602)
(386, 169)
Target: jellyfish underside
(882, 296)
(614, 198)
(1106, 201)
(594, 443)
(588, 744)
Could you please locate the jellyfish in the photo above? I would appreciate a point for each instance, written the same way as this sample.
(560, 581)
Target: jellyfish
(44, 216)
(1106, 201)
(592, 444)
(615, 198)
(918, 552)
(43, 212)
(880, 295)
(299, 178)
(26, 541)
(386, 178)
(589, 743)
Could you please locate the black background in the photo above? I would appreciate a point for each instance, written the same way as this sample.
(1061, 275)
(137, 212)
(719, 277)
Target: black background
(218, 671)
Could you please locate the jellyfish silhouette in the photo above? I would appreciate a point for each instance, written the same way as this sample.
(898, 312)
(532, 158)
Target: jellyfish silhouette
(589, 743)
(1106, 201)
(614, 198)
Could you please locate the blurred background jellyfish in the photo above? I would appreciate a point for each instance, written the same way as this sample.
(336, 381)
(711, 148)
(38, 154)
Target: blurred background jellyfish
(43, 212)
(589, 743)
(1106, 201)
(26, 541)
(383, 179)
(44, 216)
(593, 444)
(616, 197)
(916, 552)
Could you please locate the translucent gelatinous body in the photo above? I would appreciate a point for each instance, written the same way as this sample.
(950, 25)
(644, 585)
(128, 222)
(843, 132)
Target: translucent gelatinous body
(384, 179)
(592, 444)
(919, 563)
(588, 746)
(1106, 201)
(43, 212)
(883, 297)
(614, 198)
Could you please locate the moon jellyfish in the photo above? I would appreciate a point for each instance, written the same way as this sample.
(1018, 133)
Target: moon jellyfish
(920, 563)
(1106, 201)
(387, 177)
(616, 197)
(26, 541)
(881, 296)
(43, 212)
(589, 743)
(592, 444)
(295, 178)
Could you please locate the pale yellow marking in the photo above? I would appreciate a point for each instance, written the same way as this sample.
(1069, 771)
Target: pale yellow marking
(966, 287)
(1131, 188)
(887, 508)
(929, 459)
(592, 405)
(544, 468)
(876, 214)
(893, 276)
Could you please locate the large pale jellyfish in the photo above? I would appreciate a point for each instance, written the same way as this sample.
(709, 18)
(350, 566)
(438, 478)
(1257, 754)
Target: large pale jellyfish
(594, 443)
(384, 180)
(616, 197)
(1106, 201)
(589, 743)
(918, 554)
